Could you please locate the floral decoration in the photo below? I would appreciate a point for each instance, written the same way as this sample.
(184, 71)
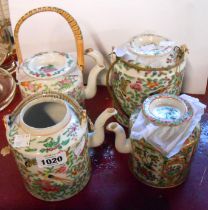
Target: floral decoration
(152, 168)
(130, 91)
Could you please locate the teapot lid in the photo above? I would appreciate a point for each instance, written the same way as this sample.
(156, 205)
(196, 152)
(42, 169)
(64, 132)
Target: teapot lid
(52, 122)
(166, 110)
(47, 65)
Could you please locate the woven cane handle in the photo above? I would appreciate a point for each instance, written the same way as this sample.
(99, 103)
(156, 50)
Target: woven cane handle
(70, 20)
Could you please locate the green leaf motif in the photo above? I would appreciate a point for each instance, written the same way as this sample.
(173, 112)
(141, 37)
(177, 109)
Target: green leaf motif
(42, 150)
(49, 144)
(30, 150)
(65, 142)
(45, 140)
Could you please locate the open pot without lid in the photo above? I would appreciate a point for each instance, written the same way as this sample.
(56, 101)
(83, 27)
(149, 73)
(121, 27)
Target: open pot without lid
(53, 122)
(150, 50)
(48, 65)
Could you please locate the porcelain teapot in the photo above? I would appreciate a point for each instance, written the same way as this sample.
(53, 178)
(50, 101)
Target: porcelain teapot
(57, 71)
(148, 163)
(146, 65)
(48, 135)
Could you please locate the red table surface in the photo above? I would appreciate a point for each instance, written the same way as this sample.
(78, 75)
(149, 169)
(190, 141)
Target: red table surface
(112, 186)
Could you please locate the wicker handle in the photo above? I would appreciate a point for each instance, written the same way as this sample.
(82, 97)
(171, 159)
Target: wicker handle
(70, 20)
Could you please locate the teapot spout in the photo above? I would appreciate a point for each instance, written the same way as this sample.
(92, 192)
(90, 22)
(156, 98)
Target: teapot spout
(91, 88)
(96, 138)
(122, 144)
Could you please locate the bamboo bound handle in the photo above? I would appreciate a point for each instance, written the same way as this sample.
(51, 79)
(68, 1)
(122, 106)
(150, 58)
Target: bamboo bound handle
(70, 20)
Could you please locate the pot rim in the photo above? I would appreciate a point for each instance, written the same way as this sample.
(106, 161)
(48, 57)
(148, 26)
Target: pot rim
(48, 130)
(185, 116)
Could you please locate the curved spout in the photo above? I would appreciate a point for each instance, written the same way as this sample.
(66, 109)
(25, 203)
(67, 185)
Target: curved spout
(96, 138)
(122, 144)
(91, 88)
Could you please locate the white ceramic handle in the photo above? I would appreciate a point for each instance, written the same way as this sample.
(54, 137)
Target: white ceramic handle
(96, 55)
(91, 87)
(96, 138)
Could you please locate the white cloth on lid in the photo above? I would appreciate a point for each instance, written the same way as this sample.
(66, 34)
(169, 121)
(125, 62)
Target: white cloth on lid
(168, 139)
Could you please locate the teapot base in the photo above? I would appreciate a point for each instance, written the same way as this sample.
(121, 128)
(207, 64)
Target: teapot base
(67, 196)
(151, 168)
(156, 186)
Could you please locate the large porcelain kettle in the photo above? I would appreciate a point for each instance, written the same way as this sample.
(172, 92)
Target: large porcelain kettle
(48, 134)
(57, 71)
(146, 65)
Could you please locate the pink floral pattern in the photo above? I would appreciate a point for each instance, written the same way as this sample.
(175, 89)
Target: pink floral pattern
(130, 91)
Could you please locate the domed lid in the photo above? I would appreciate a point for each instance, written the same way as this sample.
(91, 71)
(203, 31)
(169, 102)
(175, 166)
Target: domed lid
(7, 88)
(47, 65)
(51, 122)
(166, 110)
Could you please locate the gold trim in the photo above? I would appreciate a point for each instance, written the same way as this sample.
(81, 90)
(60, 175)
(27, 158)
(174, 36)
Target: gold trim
(70, 20)
(179, 59)
(182, 50)
(155, 186)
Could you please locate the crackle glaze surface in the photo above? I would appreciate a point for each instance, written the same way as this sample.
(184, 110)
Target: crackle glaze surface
(152, 168)
(36, 75)
(57, 182)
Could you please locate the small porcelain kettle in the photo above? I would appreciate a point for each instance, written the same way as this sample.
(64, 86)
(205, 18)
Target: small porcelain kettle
(147, 161)
(57, 71)
(48, 134)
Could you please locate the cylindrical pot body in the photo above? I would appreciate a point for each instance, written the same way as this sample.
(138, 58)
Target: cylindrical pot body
(48, 137)
(153, 168)
(51, 71)
(133, 76)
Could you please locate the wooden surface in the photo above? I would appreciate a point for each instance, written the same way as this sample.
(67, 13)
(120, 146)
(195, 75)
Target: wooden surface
(112, 186)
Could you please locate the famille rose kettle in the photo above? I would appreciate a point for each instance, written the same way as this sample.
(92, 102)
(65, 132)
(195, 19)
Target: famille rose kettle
(57, 71)
(154, 159)
(146, 65)
(48, 135)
